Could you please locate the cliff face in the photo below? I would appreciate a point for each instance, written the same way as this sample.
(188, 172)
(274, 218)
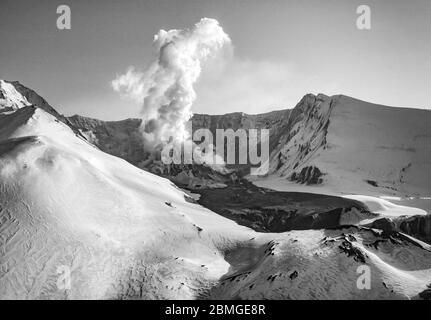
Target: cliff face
(119, 138)
(294, 135)
(304, 134)
(418, 227)
(275, 122)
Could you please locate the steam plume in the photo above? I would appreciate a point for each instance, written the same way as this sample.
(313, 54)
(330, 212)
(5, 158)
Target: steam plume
(166, 87)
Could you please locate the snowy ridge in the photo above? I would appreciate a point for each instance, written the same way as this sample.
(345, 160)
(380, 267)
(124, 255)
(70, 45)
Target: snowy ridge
(10, 98)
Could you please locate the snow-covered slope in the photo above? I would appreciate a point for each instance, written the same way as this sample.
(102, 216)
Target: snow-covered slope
(64, 202)
(359, 146)
(126, 233)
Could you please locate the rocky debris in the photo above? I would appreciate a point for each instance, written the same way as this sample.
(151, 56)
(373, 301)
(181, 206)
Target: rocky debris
(198, 228)
(348, 248)
(271, 278)
(236, 277)
(376, 243)
(309, 175)
(269, 251)
(346, 245)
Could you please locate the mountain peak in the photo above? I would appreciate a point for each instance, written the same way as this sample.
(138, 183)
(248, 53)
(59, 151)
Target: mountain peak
(14, 96)
(10, 98)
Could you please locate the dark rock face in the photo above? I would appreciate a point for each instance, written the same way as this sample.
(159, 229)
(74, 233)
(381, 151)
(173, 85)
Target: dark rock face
(124, 138)
(303, 135)
(386, 225)
(119, 138)
(372, 182)
(347, 247)
(277, 122)
(281, 125)
(309, 175)
(418, 227)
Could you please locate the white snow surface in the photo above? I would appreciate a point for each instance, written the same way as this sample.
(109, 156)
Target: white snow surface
(386, 208)
(128, 234)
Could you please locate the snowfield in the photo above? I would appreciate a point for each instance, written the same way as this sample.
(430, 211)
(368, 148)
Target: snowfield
(125, 233)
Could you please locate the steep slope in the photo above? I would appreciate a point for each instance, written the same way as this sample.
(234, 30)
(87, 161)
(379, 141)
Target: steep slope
(65, 203)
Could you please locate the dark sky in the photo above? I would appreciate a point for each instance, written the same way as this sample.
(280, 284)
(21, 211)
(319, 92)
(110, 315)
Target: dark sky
(282, 50)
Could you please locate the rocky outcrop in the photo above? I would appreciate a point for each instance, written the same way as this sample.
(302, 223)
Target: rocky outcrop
(385, 224)
(418, 227)
(303, 135)
(308, 175)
